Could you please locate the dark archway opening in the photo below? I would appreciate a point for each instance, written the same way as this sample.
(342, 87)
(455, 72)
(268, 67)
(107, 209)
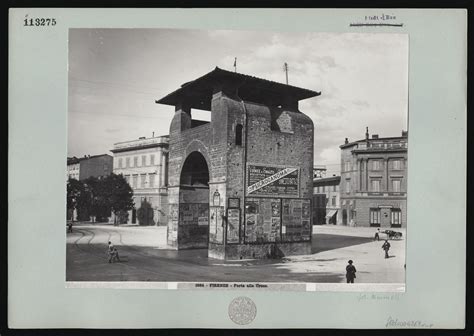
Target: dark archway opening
(193, 227)
(195, 171)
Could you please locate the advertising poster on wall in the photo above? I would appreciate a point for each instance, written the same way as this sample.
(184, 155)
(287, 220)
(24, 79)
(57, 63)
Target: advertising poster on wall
(233, 223)
(216, 230)
(296, 220)
(272, 180)
(262, 220)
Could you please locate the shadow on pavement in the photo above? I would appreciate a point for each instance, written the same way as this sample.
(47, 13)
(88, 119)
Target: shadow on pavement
(308, 259)
(326, 242)
(89, 263)
(86, 262)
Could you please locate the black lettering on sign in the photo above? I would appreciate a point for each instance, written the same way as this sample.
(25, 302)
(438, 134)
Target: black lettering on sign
(272, 181)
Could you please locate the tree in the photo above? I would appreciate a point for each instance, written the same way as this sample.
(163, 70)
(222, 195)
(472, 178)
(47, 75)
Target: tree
(145, 213)
(74, 194)
(118, 195)
(101, 196)
(93, 192)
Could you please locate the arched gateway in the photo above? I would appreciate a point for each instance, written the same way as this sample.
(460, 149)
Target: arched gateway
(193, 220)
(240, 185)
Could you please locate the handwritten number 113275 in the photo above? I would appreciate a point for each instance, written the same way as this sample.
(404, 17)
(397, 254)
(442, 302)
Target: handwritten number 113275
(31, 22)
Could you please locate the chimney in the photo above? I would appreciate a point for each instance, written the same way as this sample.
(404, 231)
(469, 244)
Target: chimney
(153, 134)
(346, 141)
(367, 133)
(375, 136)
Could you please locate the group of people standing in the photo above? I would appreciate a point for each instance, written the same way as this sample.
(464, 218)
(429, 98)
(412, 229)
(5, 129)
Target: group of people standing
(350, 268)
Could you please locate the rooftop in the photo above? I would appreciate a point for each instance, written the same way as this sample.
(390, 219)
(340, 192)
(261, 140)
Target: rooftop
(327, 180)
(73, 159)
(140, 143)
(377, 143)
(198, 93)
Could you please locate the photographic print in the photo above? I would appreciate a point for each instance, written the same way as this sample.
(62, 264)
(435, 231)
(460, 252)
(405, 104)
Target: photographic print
(202, 167)
(219, 156)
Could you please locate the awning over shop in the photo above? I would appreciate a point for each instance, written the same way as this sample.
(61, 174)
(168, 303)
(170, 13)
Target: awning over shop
(331, 213)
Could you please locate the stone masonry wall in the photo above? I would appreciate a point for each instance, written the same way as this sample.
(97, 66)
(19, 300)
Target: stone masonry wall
(182, 142)
(273, 147)
(267, 140)
(268, 146)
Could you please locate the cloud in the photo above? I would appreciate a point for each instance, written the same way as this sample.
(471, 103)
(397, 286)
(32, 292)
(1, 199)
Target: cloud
(330, 155)
(363, 79)
(279, 48)
(361, 103)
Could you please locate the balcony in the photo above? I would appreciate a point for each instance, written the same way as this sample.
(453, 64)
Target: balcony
(381, 145)
(380, 194)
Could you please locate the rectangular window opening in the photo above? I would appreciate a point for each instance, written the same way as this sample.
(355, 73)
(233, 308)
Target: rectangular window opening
(374, 217)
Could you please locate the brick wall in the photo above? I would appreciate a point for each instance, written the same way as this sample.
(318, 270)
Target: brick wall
(292, 147)
(183, 141)
(277, 148)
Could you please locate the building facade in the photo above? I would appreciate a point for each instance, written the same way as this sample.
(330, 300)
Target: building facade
(144, 164)
(89, 166)
(319, 171)
(374, 181)
(73, 167)
(326, 205)
(240, 185)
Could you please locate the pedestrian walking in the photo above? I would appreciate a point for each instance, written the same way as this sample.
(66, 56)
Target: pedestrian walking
(69, 227)
(386, 247)
(113, 253)
(377, 235)
(116, 254)
(350, 272)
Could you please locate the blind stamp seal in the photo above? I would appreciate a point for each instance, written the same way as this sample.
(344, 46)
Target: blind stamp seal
(242, 310)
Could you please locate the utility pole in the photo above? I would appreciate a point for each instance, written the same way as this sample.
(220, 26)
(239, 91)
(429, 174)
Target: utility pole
(285, 68)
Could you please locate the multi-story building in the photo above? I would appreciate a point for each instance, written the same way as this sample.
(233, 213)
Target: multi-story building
(144, 164)
(319, 171)
(374, 181)
(73, 167)
(326, 203)
(89, 166)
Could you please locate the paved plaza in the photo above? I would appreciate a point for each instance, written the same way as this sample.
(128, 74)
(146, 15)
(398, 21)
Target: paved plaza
(144, 257)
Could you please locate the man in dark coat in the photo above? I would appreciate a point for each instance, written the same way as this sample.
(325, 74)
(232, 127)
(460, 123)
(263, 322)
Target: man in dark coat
(350, 272)
(386, 247)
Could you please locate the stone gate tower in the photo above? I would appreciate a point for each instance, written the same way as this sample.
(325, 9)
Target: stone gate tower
(241, 184)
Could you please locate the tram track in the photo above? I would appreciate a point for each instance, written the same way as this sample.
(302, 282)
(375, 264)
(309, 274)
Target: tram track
(147, 262)
(83, 233)
(91, 247)
(145, 265)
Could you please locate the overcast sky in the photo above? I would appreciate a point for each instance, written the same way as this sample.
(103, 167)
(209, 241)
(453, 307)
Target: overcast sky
(115, 75)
